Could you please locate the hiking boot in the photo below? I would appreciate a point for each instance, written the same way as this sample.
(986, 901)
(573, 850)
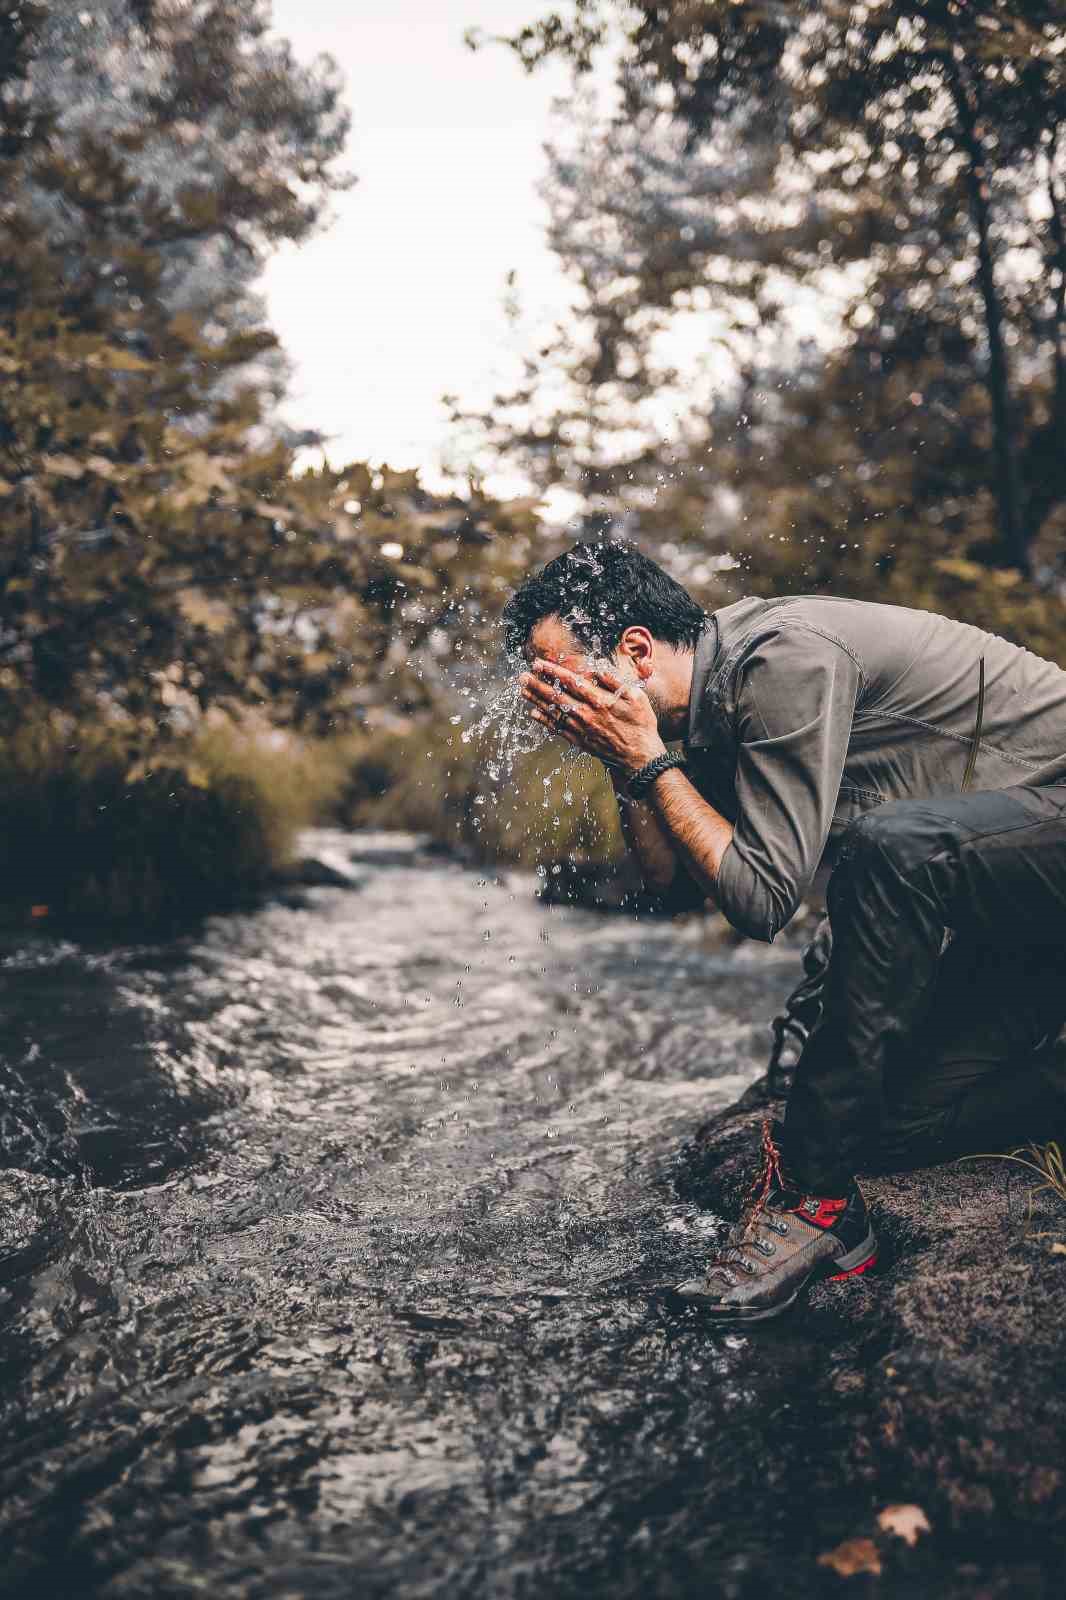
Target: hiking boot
(784, 1240)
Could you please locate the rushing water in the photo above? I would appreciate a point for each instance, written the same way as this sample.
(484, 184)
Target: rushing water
(335, 1235)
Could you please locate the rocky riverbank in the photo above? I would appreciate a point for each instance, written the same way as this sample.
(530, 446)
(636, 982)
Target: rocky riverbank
(941, 1374)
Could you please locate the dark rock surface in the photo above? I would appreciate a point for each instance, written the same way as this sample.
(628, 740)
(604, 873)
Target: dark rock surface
(946, 1368)
(614, 886)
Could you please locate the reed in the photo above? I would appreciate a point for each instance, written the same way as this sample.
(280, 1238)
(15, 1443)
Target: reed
(1045, 1160)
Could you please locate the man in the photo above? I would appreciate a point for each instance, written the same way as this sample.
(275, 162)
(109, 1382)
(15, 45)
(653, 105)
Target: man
(925, 761)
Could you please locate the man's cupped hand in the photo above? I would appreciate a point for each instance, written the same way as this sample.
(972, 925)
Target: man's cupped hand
(596, 712)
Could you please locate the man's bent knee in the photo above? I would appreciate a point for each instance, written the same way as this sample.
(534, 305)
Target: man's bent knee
(896, 838)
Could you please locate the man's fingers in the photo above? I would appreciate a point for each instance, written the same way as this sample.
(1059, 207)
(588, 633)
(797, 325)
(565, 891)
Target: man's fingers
(564, 729)
(576, 683)
(561, 714)
(538, 690)
(607, 679)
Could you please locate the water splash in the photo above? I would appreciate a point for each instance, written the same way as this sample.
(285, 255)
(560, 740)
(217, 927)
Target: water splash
(508, 727)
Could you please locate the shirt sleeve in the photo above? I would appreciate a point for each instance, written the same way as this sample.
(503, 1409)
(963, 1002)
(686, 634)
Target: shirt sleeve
(796, 699)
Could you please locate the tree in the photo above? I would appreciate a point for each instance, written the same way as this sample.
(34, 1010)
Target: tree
(929, 132)
(236, 142)
(157, 555)
(653, 234)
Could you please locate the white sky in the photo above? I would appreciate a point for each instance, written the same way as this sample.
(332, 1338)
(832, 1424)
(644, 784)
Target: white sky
(400, 300)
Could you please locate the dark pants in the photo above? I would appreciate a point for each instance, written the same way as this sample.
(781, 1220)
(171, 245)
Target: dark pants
(945, 987)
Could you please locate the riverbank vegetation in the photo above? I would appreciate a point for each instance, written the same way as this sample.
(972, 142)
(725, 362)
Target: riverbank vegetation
(92, 837)
(171, 579)
(547, 810)
(818, 342)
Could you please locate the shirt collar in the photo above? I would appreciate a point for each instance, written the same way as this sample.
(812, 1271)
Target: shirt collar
(703, 664)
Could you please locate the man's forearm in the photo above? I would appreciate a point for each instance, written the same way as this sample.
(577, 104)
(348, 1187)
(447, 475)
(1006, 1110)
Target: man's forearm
(644, 837)
(697, 835)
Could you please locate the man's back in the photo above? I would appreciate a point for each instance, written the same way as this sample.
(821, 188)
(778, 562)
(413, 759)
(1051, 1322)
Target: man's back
(807, 711)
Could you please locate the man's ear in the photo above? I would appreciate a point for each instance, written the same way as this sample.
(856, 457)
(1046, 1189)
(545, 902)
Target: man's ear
(637, 646)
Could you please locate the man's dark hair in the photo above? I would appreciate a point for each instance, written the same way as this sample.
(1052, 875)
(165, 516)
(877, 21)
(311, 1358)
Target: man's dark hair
(599, 590)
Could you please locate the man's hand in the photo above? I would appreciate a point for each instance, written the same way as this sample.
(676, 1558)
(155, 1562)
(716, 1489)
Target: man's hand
(596, 712)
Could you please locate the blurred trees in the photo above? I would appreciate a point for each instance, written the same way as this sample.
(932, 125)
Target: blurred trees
(862, 206)
(157, 556)
(234, 144)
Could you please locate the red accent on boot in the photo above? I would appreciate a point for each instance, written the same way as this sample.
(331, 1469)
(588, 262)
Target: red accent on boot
(821, 1213)
(855, 1272)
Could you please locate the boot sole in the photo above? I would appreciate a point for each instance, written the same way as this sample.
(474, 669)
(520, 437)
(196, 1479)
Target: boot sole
(852, 1265)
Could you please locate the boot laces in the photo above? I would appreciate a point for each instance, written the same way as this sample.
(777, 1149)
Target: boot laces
(742, 1244)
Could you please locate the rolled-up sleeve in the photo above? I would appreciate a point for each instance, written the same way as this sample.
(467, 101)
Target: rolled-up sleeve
(795, 700)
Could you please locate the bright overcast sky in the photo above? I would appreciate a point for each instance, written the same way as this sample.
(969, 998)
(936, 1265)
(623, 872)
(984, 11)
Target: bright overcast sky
(400, 300)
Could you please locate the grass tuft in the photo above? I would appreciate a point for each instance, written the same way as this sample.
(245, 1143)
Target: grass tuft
(1046, 1160)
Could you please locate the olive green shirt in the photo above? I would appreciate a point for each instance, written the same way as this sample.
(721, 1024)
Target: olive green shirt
(807, 711)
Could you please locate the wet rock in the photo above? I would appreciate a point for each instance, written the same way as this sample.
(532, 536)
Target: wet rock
(332, 859)
(311, 873)
(372, 848)
(598, 887)
(326, 861)
(948, 1360)
(27, 1222)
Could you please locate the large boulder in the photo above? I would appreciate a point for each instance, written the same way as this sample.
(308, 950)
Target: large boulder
(945, 1366)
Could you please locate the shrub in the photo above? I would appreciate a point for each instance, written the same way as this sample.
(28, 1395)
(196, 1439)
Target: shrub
(90, 838)
(550, 806)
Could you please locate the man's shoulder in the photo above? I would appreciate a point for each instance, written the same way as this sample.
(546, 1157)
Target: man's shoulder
(808, 622)
(796, 636)
(899, 650)
(819, 609)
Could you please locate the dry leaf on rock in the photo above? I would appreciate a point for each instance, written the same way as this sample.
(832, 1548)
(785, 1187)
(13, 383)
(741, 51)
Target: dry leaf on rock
(851, 1557)
(906, 1522)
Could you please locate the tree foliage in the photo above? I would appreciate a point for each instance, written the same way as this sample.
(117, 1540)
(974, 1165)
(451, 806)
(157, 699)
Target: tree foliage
(157, 554)
(900, 159)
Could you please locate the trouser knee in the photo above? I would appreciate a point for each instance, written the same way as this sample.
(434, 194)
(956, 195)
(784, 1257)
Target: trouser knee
(888, 844)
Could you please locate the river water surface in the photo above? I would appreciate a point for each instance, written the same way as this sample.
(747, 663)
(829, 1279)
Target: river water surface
(336, 1235)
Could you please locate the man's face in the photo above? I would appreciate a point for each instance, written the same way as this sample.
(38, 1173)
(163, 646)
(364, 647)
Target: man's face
(551, 640)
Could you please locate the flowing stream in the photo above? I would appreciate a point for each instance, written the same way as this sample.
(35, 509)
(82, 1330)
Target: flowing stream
(335, 1237)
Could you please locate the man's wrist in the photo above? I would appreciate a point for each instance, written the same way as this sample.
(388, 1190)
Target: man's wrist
(642, 781)
(638, 763)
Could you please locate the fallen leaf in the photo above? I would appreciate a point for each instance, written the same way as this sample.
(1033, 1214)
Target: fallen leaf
(851, 1557)
(906, 1522)
(63, 466)
(1058, 1249)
